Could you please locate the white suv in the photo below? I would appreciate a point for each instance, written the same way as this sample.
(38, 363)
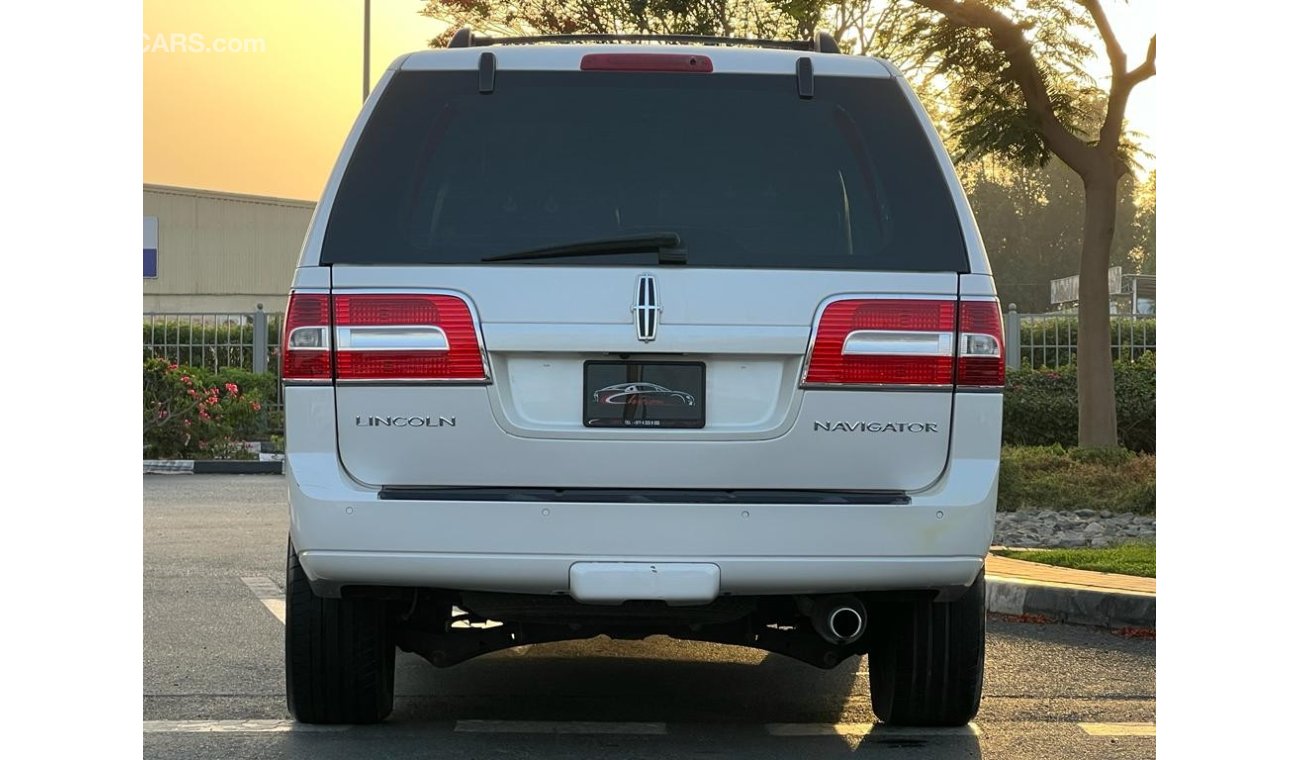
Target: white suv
(695, 339)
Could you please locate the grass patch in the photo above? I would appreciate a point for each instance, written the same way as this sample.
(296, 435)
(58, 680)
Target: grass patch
(1128, 559)
(1054, 477)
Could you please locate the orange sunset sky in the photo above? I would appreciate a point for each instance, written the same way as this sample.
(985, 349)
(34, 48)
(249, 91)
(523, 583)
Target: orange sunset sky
(270, 120)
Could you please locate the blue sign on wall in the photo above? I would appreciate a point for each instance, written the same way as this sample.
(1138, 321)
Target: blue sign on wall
(151, 247)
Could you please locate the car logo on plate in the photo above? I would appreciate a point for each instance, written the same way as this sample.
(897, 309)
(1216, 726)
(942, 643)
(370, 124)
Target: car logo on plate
(642, 394)
(646, 309)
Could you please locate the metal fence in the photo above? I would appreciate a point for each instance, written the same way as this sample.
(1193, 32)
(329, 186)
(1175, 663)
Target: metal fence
(1051, 340)
(215, 341)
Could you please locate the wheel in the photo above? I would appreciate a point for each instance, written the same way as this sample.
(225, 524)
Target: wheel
(338, 654)
(925, 663)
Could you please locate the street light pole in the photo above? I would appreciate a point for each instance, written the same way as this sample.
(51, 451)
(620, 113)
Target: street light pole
(365, 58)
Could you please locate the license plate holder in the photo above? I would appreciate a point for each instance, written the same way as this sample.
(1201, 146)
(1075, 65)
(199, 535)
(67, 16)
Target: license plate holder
(646, 394)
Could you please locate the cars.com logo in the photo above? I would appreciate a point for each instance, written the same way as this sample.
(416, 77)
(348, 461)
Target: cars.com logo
(196, 42)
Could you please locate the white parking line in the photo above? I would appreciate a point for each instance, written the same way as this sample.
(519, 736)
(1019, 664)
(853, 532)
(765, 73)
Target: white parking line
(268, 593)
(862, 729)
(1119, 729)
(232, 727)
(558, 727)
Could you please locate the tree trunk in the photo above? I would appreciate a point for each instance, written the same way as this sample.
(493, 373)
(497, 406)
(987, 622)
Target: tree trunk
(1097, 425)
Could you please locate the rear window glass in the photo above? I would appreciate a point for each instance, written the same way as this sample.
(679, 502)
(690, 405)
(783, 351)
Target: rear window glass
(742, 169)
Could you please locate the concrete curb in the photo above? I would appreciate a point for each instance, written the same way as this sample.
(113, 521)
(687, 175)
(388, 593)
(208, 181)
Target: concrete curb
(237, 467)
(1081, 605)
(213, 466)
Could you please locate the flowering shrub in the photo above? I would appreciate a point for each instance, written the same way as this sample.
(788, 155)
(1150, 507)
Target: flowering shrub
(190, 415)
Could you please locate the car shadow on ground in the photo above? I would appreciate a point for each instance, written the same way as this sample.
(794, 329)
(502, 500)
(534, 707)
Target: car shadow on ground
(682, 684)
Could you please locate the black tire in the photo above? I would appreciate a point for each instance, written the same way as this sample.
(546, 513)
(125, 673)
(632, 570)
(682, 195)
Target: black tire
(338, 654)
(926, 660)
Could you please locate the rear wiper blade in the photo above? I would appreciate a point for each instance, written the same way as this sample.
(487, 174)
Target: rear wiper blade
(667, 244)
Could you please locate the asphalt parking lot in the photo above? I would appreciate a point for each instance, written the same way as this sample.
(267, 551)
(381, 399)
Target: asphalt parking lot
(214, 675)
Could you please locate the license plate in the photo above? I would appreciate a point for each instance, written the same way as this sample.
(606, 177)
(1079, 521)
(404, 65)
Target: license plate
(643, 394)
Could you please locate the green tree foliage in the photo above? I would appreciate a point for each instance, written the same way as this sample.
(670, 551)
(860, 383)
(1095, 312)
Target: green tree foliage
(990, 115)
(1142, 255)
(1031, 219)
(732, 18)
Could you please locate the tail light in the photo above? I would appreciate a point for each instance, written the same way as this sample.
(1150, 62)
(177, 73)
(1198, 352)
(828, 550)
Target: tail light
(883, 342)
(306, 342)
(382, 337)
(406, 336)
(981, 358)
(871, 342)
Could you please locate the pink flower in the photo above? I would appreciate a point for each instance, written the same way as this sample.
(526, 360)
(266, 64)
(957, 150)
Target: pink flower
(204, 415)
(257, 407)
(186, 379)
(232, 389)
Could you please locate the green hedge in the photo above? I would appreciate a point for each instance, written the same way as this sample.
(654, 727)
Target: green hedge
(1041, 407)
(1054, 477)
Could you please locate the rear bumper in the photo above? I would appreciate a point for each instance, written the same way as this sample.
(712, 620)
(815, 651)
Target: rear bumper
(543, 574)
(345, 534)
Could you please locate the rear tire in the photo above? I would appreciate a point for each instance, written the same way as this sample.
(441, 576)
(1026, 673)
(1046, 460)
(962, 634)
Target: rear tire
(338, 654)
(926, 660)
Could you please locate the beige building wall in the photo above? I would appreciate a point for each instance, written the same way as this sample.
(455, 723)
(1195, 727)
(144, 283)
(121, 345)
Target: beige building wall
(223, 252)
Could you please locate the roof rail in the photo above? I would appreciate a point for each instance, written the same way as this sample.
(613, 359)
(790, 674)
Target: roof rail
(822, 42)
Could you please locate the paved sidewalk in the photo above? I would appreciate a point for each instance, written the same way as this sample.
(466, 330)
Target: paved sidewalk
(1005, 567)
(1016, 587)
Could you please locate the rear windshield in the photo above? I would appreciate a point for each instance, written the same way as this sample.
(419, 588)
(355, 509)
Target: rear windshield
(745, 172)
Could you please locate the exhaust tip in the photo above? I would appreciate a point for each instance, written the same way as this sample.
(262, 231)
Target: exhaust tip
(839, 619)
(845, 623)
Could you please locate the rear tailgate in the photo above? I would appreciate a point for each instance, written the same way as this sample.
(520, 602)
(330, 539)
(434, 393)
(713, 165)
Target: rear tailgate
(786, 201)
(750, 330)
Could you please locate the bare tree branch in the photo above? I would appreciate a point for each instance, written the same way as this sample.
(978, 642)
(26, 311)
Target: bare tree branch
(1122, 81)
(869, 46)
(1109, 138)
(1148, 67)
(846, 20)
(1118, 60)
(1010, 39)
